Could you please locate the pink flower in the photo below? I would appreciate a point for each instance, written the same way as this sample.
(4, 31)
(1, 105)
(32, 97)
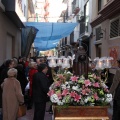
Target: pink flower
(106, 90)
(97, 77)
(96, 85)
(95, 96)
(77, 98)
(83, 87)
(87, 83)
(74, 78)
(51, 92)
(61, 76)
(87, 90)
(57, 84)
(59, 95)
(72, 94)
(84, 92)
(65, 92)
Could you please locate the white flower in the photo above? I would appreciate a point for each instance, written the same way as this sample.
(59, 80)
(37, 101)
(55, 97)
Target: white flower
(68, 87)
(109, 95)
(66, 83)
(86, 100)
(109, 98)
(54, 98)
(60, 103)
(63, 86)
(76, 88)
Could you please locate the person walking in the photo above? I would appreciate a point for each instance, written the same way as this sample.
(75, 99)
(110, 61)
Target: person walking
(12, 95)
(40, 90)
(115, 90)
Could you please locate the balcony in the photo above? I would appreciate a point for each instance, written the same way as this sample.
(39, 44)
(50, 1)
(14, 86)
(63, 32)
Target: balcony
(10, 11)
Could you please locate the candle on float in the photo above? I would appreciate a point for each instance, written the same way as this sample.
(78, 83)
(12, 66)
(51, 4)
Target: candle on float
(100, 65)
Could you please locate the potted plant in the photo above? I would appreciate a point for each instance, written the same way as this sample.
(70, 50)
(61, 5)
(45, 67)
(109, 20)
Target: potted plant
(79, 97)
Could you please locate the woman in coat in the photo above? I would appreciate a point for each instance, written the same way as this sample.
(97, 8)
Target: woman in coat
(12, 95)
(33, 70)
(115, 90)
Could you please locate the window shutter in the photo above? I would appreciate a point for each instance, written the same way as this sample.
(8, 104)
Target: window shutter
(115, 28)
(98, 31)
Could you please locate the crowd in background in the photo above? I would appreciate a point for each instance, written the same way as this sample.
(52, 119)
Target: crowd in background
(26, 68)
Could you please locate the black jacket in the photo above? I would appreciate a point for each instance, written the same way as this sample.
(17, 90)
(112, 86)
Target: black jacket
(40, 87)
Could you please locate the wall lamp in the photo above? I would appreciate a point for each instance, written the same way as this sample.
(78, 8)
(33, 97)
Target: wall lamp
(101, 33)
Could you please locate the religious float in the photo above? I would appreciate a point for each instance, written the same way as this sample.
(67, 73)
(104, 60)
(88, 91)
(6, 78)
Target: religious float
(79, 97)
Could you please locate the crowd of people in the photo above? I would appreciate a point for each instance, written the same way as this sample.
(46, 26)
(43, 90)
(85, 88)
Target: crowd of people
(15, 75)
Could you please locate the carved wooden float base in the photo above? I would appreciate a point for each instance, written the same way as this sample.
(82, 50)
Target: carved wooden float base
(81, 113)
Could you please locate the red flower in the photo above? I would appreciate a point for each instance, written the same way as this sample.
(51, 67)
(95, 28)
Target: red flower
(51, 92)
(87, 83)
(74, 78)
(59, 95)
(96, 85)
(87, 90)
(95, 96)
(65, 92)
(77, 98)
(72, 94)
(57, 84)
(84, 92)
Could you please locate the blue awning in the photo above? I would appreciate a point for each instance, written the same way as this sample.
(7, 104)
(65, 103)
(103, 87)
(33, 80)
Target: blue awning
(50, 34)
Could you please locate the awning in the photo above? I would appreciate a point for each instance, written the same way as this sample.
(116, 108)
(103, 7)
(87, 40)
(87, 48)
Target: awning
(50, 34)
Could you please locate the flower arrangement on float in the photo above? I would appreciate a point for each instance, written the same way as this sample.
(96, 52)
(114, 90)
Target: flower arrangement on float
(78, 91)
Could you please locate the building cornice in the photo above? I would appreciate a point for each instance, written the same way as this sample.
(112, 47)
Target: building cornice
(110, 10)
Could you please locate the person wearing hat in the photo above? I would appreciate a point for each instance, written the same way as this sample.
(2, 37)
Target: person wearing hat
(40, 89)
(115, 90)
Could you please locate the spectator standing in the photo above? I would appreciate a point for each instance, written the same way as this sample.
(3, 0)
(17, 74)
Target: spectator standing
(40, 90)
(8, 64)
(12, 95)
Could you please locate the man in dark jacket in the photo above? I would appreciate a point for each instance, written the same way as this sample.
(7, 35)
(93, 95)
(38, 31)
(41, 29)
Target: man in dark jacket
(40, 90)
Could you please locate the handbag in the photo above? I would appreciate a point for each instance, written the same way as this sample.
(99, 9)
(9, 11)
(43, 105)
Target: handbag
(21, 111)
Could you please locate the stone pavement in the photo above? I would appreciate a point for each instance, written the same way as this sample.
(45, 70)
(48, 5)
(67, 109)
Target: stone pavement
(30, 113)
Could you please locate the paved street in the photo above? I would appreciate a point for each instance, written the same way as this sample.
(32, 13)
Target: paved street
(30, 113)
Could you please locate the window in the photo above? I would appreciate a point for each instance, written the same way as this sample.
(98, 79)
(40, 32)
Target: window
(115, 28)
(72, 37)
(98, 30)
(99, 5)
(98, 50)
(82, 27)
(65, 40)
